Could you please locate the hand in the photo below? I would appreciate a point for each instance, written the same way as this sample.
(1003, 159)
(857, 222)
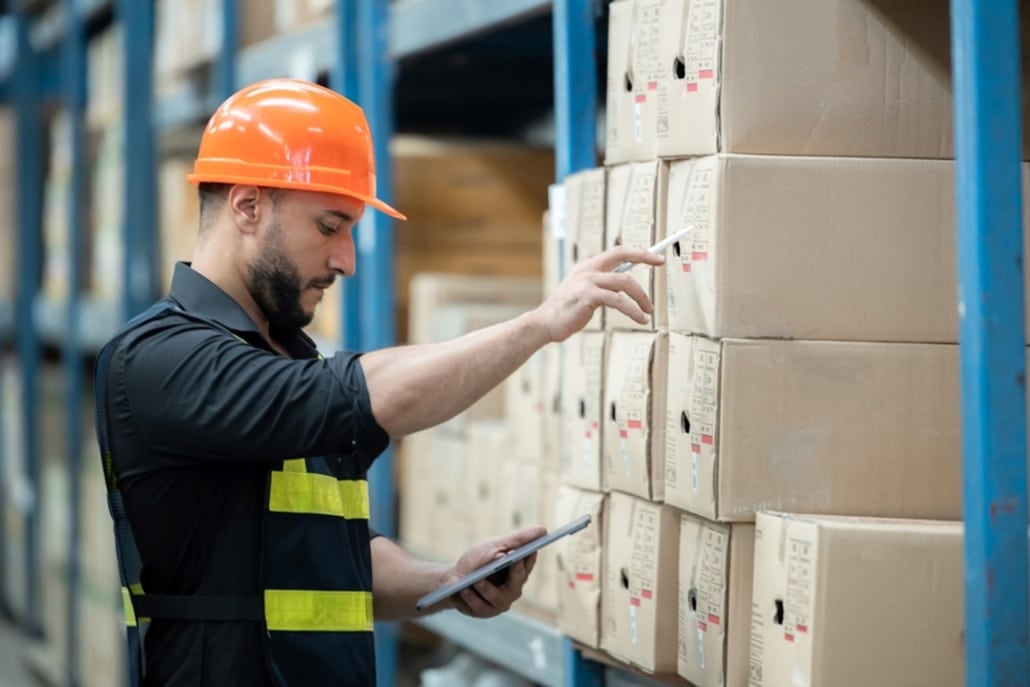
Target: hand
(486, 599)
(591, 284)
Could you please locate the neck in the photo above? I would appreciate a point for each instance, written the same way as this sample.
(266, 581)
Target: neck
(220, 265)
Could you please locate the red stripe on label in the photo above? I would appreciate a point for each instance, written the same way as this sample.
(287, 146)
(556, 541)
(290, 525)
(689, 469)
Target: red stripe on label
(594, 425)
(635, 424)
(585, 577)
(652, 85)
(707, 439)
(705, 74)
(802, 628)
(588, 434)
(713, 619)
(701, 625)
(699, 255)
(691, 88)
(686, 267)
(695, 448)
(634, 601)
(623, 433)
(788, 637)
(640, 98)
(646, 593)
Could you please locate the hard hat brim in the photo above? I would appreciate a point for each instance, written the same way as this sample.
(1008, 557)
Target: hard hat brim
(305, 186)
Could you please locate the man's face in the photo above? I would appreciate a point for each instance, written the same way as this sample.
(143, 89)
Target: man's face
(303, 248)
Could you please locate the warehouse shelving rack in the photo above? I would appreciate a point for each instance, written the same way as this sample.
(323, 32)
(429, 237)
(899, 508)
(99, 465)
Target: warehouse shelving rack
(360, 46)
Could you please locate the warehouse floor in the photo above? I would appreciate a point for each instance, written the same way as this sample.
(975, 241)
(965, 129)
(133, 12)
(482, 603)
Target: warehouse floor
(13, 672)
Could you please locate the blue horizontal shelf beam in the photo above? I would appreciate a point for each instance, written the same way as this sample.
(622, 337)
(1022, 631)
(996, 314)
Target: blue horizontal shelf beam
(47, 30)
(420, 25)
(514, 640)
(415, 26)
(986, 65)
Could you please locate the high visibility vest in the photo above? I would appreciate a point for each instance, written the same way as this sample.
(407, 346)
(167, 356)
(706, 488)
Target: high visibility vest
(316, 568)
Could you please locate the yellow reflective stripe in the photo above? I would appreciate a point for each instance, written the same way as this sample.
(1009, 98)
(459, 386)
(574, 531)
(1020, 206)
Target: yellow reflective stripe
(295, 465)
(130, 613)
(306, 611)
(136, 588)
(303, 492)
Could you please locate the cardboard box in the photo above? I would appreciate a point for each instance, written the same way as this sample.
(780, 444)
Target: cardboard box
(716, 569)
(850, 601)
(455, 529)
(106, 74)
(585, 201)
(107, 211)
(813, 426)
(489, 444)
(293, 14)
(430, 292)
(8, 216)
(541, 590)
(552, 411)
(579, 561)
(418, 519)
(638, 601)
(473, 208)
(524, 410)
(842, 77)
(180, 220)
(817, 248)
(634, 70)
(582, 380)
(635, 209)
(634, 397)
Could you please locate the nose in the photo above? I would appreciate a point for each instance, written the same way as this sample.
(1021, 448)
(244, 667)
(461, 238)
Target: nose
(342, 259)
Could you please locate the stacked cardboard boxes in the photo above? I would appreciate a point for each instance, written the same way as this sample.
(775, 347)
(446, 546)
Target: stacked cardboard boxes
(802, 354)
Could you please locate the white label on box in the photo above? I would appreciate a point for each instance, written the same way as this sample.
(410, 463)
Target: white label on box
(702, 43)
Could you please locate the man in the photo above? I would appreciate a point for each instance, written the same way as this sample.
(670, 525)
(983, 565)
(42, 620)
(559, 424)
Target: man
(238, 456)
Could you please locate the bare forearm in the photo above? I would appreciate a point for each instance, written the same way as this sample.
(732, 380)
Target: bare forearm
(399, 580)
(416, 387)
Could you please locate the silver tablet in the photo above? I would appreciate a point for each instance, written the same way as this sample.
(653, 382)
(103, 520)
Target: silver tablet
(501, 564)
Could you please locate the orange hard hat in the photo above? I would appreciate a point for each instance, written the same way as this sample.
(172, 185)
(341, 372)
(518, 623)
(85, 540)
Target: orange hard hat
(292, 134)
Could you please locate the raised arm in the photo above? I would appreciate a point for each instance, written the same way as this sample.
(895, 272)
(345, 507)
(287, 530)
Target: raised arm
(416, 387)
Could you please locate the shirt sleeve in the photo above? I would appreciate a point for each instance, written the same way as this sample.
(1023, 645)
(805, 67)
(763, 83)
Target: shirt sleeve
(194, 391)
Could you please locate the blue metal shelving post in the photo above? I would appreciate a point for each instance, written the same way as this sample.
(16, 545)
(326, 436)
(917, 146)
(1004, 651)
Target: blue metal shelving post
(575, 114)
(139, 282)
(376, 268)
(27, 97)
(344, 78)
(986, 65)
(74, 88)
(226, 63)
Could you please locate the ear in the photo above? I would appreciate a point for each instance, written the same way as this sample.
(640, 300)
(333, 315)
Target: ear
(246, 207)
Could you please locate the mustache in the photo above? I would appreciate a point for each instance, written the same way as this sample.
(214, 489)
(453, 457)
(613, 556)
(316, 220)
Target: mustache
(323, 283)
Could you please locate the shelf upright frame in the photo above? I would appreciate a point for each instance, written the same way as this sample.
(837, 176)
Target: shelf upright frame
(74, 88)
(344, 78)
(575, 115)
(28, 100)
(140, 218)
(986, 67)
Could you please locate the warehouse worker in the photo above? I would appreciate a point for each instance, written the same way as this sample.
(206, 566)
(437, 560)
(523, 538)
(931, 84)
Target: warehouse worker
(236, 456)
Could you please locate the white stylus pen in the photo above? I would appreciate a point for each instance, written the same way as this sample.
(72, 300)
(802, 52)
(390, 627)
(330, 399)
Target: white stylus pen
(660, 246)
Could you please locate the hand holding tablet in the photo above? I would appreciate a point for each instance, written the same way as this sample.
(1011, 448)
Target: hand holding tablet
(499, 566)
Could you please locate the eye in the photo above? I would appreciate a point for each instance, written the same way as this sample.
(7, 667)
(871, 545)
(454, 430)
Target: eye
(327, 230)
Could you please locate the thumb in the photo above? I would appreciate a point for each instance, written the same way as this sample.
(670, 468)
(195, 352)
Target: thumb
(516, 539)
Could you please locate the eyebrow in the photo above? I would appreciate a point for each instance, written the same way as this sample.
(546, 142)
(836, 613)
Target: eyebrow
(342, 215)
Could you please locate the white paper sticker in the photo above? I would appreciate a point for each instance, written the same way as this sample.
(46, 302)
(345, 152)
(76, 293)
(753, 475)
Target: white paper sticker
(693, 470)
(638, 124)
(632, 622)
(701, 647)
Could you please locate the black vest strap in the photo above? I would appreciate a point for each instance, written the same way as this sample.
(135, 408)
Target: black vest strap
(212, 608)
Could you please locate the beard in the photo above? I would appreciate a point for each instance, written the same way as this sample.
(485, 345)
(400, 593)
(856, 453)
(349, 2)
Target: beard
(276, 286)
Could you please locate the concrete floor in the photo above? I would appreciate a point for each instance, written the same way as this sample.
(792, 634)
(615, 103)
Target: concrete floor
(13, 672)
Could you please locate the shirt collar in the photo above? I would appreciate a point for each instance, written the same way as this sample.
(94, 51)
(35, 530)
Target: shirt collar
(198, 294)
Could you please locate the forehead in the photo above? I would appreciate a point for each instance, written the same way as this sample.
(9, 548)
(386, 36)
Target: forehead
(315, 202)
